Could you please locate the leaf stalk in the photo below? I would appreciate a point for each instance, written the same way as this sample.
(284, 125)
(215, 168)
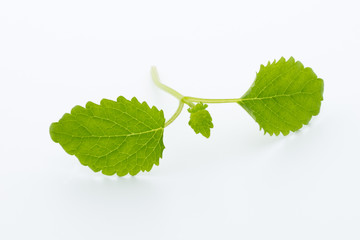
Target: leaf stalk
(184, 99)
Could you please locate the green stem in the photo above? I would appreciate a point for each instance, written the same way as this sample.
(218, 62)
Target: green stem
(156, 79)
(176, 114)
(208, 100)
(182, 99)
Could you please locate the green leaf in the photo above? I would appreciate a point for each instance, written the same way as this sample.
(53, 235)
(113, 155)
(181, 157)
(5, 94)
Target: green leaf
(114, 137)
(200, 119)
(284, 96)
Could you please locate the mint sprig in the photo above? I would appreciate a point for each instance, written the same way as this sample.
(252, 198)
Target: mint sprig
(125, 137)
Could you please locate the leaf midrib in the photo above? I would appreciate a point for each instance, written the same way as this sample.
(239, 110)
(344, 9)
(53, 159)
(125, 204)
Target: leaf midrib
(275, 96)
(116, 136)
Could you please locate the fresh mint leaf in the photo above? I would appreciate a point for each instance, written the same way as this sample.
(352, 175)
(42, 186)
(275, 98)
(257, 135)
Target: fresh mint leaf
(284, 96)
(200, 119)
(114, 137)
(126, 137)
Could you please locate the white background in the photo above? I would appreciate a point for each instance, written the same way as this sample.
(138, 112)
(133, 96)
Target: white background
(239, 184)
